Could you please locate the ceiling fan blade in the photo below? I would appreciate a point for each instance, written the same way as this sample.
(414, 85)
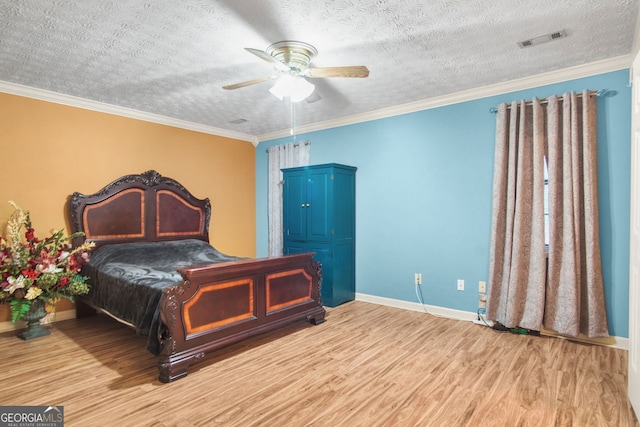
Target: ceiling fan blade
(249, 83)
(353, 71)
(266, 57)
(314, 97)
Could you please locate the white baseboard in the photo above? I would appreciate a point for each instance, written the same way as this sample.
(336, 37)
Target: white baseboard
(470, 316)
(415, 306)
(58, 316)
(615, 342)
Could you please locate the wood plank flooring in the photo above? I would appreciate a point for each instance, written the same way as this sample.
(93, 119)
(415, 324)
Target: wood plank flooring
(368, 365)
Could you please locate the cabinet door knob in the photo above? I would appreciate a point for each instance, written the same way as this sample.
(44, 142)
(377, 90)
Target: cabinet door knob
(302, 206)
(308, 205)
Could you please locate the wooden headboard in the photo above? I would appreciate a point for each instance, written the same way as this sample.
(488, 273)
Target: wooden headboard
(140, 208)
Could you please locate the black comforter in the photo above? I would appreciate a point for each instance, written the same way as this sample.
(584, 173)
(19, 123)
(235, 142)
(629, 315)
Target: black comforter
(127, 279)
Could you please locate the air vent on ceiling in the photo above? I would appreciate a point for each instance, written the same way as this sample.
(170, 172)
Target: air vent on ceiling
(543, 39)
(238, 121)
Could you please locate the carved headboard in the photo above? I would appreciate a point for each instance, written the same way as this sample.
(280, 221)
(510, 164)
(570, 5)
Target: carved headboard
(137, 208)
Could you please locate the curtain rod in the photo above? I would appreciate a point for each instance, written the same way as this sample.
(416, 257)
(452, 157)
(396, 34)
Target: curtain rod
(295, 144)
(601, 92)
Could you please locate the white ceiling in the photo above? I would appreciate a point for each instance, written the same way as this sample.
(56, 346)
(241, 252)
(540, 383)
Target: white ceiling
(172, 57)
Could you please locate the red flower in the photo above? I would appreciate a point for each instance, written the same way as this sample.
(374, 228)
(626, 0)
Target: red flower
(30, 273)
(64, 281)
(30, 234)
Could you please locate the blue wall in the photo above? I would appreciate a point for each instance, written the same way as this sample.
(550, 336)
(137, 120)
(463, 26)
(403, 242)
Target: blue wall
(424, 186)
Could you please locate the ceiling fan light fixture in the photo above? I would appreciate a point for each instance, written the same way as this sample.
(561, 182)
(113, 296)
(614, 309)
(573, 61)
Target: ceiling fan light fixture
(295, 87)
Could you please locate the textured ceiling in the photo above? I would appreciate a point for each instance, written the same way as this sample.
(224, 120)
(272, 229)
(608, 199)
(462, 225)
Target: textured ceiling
(172, 57)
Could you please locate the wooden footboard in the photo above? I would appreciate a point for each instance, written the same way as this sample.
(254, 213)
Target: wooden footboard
(221, 304)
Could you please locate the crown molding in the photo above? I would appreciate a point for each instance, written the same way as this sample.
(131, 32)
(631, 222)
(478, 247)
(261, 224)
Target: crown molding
(580, 71)
(571, 73)
(87, 104)
(636, 39)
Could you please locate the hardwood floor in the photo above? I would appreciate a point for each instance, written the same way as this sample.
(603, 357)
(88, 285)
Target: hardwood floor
(368, 365)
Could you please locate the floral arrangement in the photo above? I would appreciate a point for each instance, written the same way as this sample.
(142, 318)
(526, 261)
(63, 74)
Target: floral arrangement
(33, 269)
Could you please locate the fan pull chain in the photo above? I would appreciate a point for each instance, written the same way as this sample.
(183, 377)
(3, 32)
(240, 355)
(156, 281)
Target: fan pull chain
(293, 119)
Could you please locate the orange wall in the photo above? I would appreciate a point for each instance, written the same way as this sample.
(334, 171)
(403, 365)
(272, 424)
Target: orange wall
(48, 151)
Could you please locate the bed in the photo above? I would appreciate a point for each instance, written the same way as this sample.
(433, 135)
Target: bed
(154, 270)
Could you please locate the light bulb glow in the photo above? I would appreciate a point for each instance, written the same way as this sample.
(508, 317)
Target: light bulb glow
(295, 87)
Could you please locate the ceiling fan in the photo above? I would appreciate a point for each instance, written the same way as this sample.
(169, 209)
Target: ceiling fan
(291, 61)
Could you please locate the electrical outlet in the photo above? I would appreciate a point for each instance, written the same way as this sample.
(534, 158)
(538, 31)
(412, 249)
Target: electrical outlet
(482, 301)
(460, 285)
(482, 287)
(418, 279)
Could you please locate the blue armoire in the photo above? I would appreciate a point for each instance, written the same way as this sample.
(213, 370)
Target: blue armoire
(319, 216)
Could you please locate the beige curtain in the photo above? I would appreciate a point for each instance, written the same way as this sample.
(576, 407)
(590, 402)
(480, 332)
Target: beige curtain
(575, 296)
(567, 296)
(281, 157)
(517, 262)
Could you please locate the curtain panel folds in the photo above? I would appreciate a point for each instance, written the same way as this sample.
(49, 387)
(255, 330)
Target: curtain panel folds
(564, 291)
(281, 157)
